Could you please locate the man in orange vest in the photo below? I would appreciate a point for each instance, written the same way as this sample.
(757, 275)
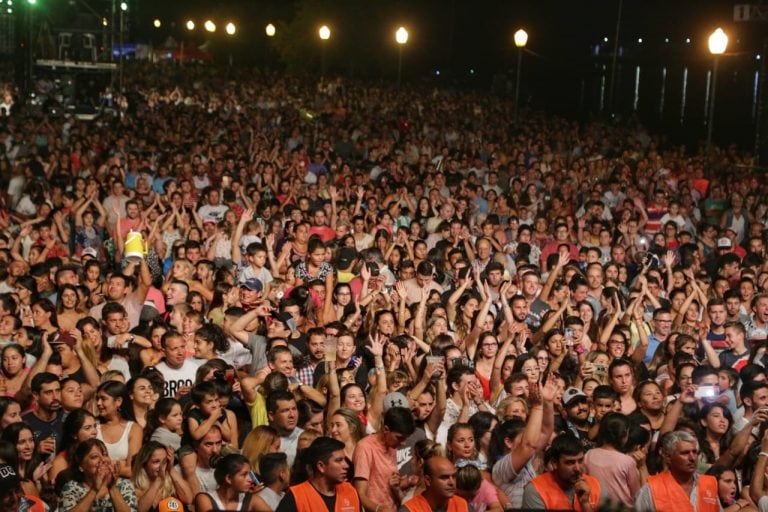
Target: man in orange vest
(566, 486)
(681, 488)
(327, 488)
(440, 492)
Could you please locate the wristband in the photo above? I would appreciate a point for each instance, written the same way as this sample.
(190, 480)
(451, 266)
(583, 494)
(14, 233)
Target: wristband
(762, 454)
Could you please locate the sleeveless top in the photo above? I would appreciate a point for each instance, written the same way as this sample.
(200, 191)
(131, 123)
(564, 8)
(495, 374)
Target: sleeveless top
(243, 502)
(118, 450)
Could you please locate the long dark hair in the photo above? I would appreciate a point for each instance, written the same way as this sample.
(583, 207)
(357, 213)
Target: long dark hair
(47, 306)
(5, 402)
(11, 434)
(701, 431)
(115, 390)
(72, 425)
(509, 429)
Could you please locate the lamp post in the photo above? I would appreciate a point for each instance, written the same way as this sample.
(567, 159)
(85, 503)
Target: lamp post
(718, 42)
(401, 37)
(325, 33)
(123, 10)
(521, 39)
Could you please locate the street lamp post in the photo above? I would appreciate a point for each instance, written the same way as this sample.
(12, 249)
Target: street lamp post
(521, 39)
(325, 33)
(718, 42)
(121, 62)
(401, 37)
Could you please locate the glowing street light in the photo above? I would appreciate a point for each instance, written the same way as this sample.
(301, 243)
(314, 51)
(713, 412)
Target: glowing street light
(190, 25)
(210, 26)
(401, 37)
(270, 30)
(718, 42)
(123, 6)
(521, 39)
(325, 33)
(157, 23)
(230, 28)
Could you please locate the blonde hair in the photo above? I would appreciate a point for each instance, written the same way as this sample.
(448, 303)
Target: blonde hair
(506, 402)
(306, 437)
(140, 479)
(258, 442)
(398, 377)
(356, 428)
(111, 375)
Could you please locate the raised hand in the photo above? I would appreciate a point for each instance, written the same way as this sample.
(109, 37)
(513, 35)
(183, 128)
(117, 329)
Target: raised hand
(365, 273)
(401, 291)
(548, 391)
(669, 258)
(377, 346)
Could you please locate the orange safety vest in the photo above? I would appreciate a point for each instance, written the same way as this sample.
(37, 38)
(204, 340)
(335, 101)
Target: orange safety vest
(555, 499)
(669, 496)
(309, 500)
(420, 504)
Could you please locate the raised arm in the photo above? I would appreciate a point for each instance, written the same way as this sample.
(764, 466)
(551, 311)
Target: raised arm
(236, 254)
(376, 400)
(474, 334)
(334, 212)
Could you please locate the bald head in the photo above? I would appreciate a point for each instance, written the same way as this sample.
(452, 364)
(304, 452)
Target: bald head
(440, 478)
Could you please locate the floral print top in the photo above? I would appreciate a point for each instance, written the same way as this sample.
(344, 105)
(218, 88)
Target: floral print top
(74, 491)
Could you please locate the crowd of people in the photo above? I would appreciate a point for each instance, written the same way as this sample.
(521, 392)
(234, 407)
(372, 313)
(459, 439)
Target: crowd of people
(254, 292)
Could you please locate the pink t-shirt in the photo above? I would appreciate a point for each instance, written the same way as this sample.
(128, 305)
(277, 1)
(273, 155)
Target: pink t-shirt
(156, 297)
(485, 497)
(376, 463)
(616, 472)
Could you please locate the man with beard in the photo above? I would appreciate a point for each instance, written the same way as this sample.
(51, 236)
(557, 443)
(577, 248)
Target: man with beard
(440, 489)
(680, 484)
(315, 355)
(565, 486)
(327, 488)
(577, 409)
(46, 421)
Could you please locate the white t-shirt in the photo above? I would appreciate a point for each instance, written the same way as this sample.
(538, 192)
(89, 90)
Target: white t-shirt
(212, 212)
(176, 379)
